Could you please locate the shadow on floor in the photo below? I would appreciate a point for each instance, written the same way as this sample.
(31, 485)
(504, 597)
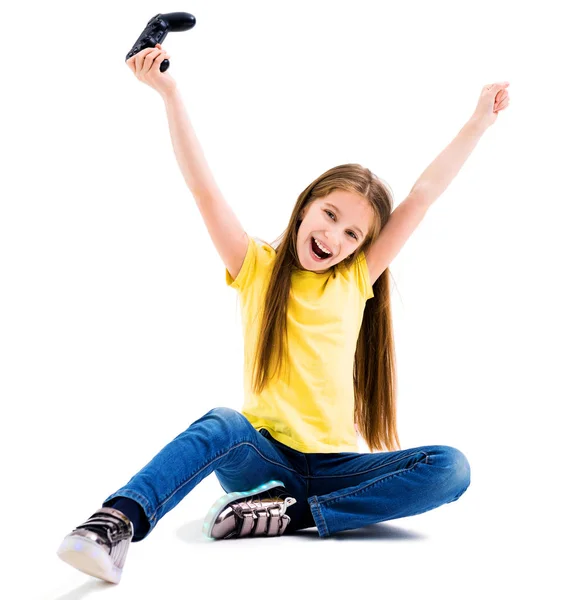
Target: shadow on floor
(191, 533)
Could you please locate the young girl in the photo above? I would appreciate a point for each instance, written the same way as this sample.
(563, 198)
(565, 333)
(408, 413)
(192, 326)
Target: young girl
(319, 365)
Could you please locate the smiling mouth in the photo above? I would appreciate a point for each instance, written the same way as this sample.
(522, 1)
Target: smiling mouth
(320, 254)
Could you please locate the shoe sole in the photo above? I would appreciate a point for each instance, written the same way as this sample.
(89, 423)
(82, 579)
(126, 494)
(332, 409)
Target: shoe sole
(222, 502)
(90, 558)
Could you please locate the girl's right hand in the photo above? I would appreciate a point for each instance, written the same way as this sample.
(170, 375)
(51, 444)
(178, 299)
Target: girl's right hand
(145, 66)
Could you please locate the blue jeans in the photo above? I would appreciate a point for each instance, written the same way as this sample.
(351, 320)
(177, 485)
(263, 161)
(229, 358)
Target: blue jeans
(334, 491)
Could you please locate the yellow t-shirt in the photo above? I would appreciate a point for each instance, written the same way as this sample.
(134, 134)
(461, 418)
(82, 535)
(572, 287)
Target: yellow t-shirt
(309, 406)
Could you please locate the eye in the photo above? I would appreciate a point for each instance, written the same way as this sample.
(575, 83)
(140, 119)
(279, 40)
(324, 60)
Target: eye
(354, 235)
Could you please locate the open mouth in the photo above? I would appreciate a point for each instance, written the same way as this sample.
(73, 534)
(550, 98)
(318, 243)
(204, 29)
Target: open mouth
(317, 253)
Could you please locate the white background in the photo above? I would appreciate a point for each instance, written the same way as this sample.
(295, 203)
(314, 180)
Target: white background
(117, 329)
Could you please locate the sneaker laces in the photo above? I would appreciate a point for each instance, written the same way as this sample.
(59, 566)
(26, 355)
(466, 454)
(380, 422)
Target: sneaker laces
(267, 505)
(107, 525)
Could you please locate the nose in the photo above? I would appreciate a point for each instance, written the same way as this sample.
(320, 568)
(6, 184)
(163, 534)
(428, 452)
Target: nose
(330, 241)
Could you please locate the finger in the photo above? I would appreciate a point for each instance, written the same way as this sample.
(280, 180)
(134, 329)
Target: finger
(500, 97)
(502, 105)
(155, 62)
(151, 56)
(150, 59)
(140, 58)
(503, 97)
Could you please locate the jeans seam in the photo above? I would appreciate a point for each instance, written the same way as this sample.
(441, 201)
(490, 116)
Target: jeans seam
(371, 485)
(213, 460)
(316, 512)
(351, 474)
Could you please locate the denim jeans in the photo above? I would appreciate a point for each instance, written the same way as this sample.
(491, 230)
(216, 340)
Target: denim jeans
(334, 491)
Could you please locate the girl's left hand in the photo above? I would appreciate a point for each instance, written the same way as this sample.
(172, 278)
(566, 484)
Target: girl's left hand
(494, 97)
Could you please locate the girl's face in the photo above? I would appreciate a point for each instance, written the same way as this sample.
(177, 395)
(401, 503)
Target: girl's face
(340, 222)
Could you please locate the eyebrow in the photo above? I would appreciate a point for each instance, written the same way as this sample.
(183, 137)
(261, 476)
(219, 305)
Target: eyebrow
(338, 212)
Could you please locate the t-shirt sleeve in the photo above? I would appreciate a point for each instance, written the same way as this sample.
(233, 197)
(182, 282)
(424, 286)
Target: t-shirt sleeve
(256, 268)
(363, 277)
(248, 269)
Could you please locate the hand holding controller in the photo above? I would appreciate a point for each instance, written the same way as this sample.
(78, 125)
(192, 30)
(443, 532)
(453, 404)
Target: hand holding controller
(156, 31)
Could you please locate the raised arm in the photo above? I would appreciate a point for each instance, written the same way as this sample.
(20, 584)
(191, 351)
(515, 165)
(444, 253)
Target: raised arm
(226, 232)
(434, 180)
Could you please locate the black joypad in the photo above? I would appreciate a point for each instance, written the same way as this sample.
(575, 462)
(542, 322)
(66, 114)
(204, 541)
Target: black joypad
(157, 29)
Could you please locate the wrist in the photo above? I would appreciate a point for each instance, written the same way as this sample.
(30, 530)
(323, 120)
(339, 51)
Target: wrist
(476, 125)
(169, 94)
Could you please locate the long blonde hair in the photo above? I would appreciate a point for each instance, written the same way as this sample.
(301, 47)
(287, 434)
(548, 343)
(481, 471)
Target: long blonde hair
(374, 372)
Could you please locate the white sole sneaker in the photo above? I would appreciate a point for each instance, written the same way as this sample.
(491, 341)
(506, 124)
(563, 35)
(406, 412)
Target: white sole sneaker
(99, 546)
(89, 557)
(254, 512)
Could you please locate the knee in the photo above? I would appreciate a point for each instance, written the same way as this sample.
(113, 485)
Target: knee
(224, 412)
(457, 470)
(225, 418)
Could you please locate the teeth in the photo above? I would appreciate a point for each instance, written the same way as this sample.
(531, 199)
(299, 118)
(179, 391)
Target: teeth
(321, 247)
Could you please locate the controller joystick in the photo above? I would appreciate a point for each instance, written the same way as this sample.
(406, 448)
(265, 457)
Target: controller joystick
(157, 29)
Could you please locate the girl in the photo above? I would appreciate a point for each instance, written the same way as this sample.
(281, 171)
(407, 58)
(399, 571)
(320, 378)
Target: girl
(317, 305)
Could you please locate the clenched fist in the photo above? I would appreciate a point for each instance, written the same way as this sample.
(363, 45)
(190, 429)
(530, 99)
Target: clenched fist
(145, 66)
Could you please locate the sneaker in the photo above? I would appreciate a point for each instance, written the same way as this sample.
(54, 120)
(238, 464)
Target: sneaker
(257, 512)
(99, 546)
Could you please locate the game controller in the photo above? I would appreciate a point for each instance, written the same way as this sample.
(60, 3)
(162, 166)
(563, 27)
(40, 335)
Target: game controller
(157, 29)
